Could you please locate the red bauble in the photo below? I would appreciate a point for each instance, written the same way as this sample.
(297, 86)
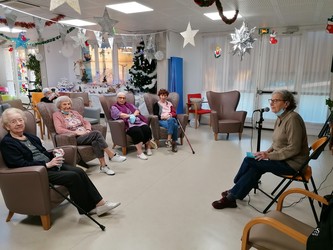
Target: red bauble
(204, 3)
(23, 38)
(273, 40)
(10, 49)
(86, 43)
(329, 28)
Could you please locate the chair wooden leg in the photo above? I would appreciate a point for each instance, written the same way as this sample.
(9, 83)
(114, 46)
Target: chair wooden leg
(196, 121)
(215, 136)
(123, 149)
(46, 221)
(181, 141)
(157, 143)
(9, 216)
(240, 136)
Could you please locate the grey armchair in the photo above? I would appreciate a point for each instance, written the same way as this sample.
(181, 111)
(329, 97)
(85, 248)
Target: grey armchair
(160, 132)
(25, 190)
(117, 127)
(224, 118)
(85, 152)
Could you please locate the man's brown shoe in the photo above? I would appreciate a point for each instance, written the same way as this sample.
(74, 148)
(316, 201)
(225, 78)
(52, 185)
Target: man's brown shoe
(224, 203)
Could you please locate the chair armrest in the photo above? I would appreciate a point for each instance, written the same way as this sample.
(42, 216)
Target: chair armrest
(214, 120)
(155, 126)
(26, 189)
(299, 191)
(118, 133)
(101, 128)
(92, 112)
(239, 115)
(275, 224)
(65, 139)
(183, 119)
(70, 155)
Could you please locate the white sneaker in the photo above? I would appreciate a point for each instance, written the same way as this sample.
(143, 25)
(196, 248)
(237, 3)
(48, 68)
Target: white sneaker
(100, 210)
(118, 158)
(142, 156)
(107, 170)
(149, 152)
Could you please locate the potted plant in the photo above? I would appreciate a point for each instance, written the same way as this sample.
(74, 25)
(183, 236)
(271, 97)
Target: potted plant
(34, 65)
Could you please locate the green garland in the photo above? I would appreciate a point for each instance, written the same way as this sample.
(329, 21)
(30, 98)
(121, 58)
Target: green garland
(42, 42)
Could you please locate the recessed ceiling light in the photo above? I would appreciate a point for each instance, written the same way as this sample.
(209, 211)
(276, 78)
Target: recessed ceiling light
(129, 8)
(7, 29)
(77, 22)
(216, 16)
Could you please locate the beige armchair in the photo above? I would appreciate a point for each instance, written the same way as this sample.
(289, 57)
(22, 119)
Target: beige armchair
(160, 132)
(277, 230)
(25, 190)
(91, 114)
(85, 152)
(117, 127)
(224, 118)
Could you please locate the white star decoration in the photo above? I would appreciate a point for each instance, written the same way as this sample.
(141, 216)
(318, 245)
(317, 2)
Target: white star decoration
(74, 4)
(106, 22)
(188, 35)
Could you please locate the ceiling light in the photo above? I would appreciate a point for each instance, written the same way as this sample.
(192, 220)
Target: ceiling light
(216, 16)
(77, 22)
(7, 29)
(130, 7)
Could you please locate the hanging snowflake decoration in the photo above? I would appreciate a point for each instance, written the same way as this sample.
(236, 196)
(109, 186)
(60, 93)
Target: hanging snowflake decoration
(242, 40)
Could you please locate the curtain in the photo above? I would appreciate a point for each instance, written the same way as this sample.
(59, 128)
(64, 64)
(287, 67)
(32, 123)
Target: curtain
(299, 63)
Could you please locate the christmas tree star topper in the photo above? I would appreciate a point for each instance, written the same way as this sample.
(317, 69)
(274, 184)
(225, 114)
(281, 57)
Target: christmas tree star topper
(188, 35)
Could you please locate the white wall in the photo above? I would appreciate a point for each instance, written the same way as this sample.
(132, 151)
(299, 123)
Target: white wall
(59, 66)
(192, 61)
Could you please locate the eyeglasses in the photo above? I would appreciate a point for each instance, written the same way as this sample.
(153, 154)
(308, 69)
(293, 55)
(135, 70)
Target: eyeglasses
(120, 97)
(275, 100)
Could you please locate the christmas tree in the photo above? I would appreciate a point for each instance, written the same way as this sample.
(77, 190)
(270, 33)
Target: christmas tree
(143, 73)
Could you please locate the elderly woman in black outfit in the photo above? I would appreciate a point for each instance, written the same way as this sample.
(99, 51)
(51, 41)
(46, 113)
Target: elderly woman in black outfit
(20, 149)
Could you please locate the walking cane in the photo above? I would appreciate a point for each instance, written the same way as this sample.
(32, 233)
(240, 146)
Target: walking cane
(77, 206)
(185, 136)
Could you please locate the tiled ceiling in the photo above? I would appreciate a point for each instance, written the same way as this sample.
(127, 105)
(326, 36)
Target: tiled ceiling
(175, 14)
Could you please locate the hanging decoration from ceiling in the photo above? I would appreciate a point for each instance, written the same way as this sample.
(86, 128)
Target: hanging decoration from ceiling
(31, 25)
(217, 52)
(272, 38)
(74, 4)
(206, 3)
(329, 27)
(106, 23)
(149, 51)
(242, 40)
(10, 17)
(188, 35)
(80, 39)
(20, 41)
(38, 43)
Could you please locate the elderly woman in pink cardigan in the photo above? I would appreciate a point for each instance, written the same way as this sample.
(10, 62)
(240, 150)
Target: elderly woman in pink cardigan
(67, 120)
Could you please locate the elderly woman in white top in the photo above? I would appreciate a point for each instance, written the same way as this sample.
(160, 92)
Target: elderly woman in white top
(67, 120)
